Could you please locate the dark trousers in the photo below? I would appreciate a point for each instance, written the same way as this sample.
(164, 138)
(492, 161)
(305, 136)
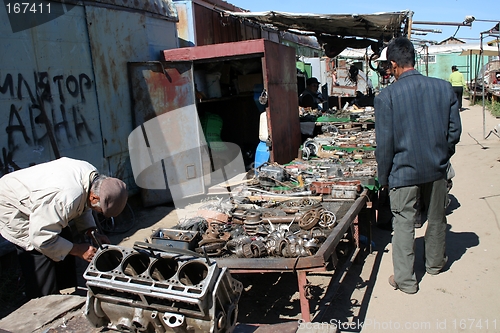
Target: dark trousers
(42, 275)
(459, 91)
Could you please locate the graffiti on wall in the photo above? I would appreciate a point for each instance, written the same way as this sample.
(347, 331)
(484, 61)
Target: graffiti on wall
(40, 111)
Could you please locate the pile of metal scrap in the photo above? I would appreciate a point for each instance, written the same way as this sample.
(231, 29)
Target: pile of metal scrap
(281, 211)
(260, 228)
(346, 147)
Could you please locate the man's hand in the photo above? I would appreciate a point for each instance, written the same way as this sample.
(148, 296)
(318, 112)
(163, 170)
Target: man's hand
(383, 194)
(84, 251)
(103, 239)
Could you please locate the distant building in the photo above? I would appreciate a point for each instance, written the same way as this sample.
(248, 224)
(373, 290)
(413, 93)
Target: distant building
(451, 40)
(436, 60)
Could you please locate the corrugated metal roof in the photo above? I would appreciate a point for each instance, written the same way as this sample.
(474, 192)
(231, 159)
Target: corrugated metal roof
(463, 49)
(448, 48)
(160, 7)
(224, 5)
(376, 26)
(355, 53)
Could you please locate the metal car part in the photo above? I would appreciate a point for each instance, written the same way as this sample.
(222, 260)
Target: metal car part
(309, 219)
(327, 219)
(159, 289)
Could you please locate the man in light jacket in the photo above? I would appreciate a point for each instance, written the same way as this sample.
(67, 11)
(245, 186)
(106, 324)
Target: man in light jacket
(36, 206)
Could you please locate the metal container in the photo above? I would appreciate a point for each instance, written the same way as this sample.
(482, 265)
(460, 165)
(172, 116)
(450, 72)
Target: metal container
(181, 239)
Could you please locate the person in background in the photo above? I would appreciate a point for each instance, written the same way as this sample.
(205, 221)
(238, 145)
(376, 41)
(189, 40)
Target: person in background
(384, 217)
(384, 68)
(496, 80)
(458, 83)
(36, 206)
(362, 82)
(310, 97)
(416, 138)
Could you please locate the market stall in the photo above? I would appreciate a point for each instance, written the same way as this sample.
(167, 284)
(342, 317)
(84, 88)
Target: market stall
(292, 217)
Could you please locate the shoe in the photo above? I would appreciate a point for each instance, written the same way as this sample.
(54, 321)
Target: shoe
(396, 287)
(441, 270)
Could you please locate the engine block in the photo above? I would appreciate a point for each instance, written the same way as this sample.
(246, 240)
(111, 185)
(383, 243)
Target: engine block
(137, 290)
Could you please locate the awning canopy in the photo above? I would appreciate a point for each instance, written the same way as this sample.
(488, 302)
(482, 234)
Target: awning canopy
(490, 51)
(378, 27)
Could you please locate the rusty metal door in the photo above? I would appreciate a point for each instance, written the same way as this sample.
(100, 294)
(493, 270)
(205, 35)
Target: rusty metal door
(283, 104)
(280, 80)
(167, 147)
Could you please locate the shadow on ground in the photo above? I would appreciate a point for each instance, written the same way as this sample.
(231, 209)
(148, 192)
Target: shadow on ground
(136, 217)
(267, 298)
(350, 301)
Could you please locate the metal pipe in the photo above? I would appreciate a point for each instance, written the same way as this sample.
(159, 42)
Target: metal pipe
(280, 219)
(96, 240)
(461, 24)
(427, 30)
(482, 84)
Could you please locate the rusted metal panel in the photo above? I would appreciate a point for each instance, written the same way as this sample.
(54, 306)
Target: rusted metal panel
(65, 88)
(213, 28)
(166, 148)
(250, 31)
(272, 264)
(204, 23)
(283, 108)
(186, 24)
(224, 5)
(279, 79)
(219, 51)
(158, 89)
(163, 8)
(48, 96)
(127, 38)
(160, 7)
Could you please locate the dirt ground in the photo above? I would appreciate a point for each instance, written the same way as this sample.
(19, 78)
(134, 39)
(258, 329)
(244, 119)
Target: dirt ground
(464, 298)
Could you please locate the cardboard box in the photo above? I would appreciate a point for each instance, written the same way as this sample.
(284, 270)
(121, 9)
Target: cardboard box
(247, 82)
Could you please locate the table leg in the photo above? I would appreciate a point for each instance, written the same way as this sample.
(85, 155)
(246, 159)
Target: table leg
(304, 302)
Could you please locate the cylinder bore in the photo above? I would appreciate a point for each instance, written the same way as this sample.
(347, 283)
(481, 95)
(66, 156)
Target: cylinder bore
(163, 269)
(192, 273)
(135, 264)
(108, 260)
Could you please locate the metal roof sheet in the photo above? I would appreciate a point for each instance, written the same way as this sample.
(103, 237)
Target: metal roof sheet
(377, 26)
(160, 7)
